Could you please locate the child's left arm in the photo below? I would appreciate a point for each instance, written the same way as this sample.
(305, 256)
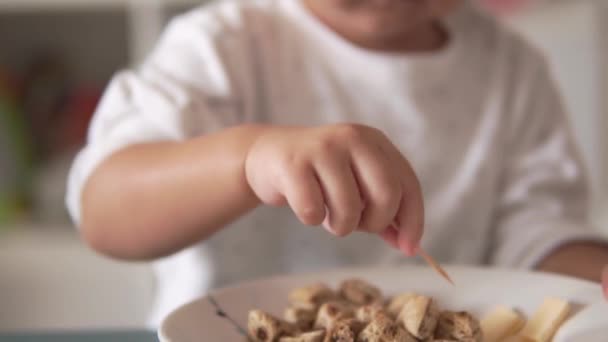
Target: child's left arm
(542, 208)
(580, 259)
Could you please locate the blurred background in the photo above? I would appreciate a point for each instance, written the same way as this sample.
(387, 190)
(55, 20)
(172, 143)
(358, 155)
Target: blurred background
(56, 57)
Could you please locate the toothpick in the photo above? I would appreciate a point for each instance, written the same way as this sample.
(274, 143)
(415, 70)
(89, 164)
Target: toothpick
(435, 265)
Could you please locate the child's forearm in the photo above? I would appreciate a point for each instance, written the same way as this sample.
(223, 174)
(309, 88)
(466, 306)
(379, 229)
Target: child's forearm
(583, 260)
(151, 200)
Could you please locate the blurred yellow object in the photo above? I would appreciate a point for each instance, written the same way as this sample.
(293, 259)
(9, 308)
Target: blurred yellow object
(500, 324)
(547, 319)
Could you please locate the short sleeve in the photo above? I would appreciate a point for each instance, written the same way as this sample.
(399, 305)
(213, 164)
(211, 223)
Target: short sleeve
(187, 87)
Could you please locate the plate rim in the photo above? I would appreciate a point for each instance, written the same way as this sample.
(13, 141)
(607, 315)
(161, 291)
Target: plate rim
(361, 270)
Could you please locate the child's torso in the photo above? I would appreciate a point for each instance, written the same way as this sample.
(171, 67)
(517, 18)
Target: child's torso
(436, 110)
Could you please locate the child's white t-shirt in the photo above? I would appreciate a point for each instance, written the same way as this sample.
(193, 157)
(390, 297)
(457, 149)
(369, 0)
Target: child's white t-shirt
(480, 121)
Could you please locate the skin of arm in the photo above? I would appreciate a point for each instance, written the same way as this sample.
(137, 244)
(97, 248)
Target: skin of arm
(584, 260)
(151, 200)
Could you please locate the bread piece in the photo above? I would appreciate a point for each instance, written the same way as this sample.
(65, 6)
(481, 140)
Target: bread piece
(547, 319)
(360, 292)
(419, 316)
(396, 303)
(500, 324)
(303, 319)
(311, 297)
(382, 328)
(331, 312)
(341, 331)
(263, 327)
(366, 313)
(312, 336)
(458, 326)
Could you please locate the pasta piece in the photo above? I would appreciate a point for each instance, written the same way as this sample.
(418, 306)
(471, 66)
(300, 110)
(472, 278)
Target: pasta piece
(458, 326)
(500, 324)
(342, 331)
(546, 320)
(304, 319)
(396, 303)
(263, 327)
(312, 336)
(332, 312)
(383, 329)
(311, 297)
(360, 292)
(419, 316)
(366, 313)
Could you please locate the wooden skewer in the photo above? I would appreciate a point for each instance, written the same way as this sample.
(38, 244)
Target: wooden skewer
(435, 265)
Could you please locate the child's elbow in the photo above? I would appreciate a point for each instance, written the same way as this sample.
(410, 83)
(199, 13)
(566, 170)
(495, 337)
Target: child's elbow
(108, 241)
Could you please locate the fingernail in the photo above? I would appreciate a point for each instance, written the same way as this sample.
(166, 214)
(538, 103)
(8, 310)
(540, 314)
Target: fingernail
(409, 250)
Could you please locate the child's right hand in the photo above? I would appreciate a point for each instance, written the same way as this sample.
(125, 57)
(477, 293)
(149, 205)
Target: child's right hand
(348, 177)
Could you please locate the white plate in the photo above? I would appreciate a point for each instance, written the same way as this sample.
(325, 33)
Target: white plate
(477, 290)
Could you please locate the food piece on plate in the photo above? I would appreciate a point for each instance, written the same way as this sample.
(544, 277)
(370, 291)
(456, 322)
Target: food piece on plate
(263, 327)
(383, 328)
(355, 325)
(304, 319)
(312, 336)
(515, 338)
(311, 296)
(500, 324)
(366, 313)
(360, 292)
(547, 319)
(342, 331)
(419, 316)
(458, 326)
(396, 303)
(331, 312)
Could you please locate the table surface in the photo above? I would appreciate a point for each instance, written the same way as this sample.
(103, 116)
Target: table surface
(92, 336)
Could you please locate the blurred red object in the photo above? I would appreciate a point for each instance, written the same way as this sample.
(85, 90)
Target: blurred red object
(75, 116)
(58, 108)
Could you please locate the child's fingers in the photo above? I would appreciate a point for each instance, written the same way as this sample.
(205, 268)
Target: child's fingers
(390, 235)
(410, 218)
(341, 194)
(410, 215)
(304, 195)
(379, 186)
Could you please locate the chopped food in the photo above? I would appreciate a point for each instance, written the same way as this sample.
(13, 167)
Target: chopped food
(266, 328)
(342, 331)
(311, 297)
(303, 319)
(547, 319)
(366, 313)
(382, 328)
(500, 324)
(360, 292)
(419, 316)
(358, 312)
(458, 326)
(396, 303)
(312, 336)
(332, 312)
